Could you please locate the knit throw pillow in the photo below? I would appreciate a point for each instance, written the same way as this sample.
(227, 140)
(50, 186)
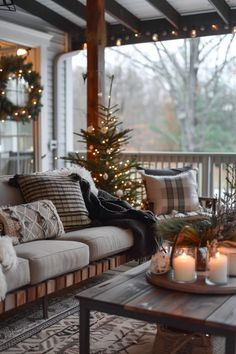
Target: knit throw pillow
(168, 193)
(63, 191)
(33, 221)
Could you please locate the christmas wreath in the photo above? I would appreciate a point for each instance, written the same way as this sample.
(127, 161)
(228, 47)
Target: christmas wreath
(14, 67)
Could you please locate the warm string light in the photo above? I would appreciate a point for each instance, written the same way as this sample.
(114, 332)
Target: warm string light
(155, 36)
(193, 33)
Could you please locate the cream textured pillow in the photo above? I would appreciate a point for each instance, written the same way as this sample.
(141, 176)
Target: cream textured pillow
(32, 221)
(168, 193)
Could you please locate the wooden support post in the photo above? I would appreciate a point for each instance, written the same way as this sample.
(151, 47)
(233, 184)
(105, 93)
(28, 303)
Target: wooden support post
(96, 41)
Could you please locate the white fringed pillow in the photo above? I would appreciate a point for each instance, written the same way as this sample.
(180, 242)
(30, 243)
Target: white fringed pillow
(32, 221)
(168, 193)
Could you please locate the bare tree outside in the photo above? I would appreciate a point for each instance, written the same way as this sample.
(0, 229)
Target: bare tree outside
(194, 101)
(177, 95)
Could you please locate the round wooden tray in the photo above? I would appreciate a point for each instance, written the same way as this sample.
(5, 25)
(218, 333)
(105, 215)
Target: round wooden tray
(198, 287)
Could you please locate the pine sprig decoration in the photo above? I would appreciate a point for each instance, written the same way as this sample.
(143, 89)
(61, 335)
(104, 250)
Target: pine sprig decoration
(105, 143)
(219, 227)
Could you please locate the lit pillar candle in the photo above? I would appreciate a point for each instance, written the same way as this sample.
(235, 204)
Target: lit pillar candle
(218, 268)
(184, 268)
(231, 253)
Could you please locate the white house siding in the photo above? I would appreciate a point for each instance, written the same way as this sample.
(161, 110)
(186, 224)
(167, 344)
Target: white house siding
(46, 66)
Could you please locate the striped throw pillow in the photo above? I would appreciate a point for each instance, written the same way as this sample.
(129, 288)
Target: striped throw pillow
(168, 193)
(63, 191)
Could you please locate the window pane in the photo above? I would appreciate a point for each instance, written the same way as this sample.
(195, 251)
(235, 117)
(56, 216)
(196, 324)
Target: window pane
(79, 67)
(16, 148)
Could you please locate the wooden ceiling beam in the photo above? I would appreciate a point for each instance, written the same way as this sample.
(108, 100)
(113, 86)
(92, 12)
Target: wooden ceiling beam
(73, 6)
(222, 9)
(205, 24)
(124, 17)
(171, 15)
(46, 14)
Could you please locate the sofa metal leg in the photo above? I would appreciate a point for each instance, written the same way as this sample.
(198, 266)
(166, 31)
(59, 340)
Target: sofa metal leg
(45, 306)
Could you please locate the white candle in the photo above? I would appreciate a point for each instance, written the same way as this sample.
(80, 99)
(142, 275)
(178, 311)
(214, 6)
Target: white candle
(232, 263)
(218, 268)
(184, 268)
(231, 253)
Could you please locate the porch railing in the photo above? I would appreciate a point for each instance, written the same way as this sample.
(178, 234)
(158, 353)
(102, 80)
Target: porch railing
(211, 166)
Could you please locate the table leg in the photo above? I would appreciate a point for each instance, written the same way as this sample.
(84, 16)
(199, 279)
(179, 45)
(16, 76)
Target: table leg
(230, 344)
(84, 328)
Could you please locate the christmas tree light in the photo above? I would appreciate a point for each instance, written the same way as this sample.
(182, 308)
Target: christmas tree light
(105, 144)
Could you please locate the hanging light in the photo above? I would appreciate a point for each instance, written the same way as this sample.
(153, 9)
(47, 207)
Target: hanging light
(7, 5)
(118, 41)
(21, 52)
(193, 33)
(155, 37)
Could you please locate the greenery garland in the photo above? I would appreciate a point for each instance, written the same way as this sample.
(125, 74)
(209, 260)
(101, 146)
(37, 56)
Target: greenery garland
(14, 67)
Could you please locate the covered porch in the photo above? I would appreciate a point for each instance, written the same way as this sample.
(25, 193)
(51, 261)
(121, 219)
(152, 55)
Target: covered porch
(74, 25)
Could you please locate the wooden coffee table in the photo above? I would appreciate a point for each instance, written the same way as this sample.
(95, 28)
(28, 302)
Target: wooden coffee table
(130, 295)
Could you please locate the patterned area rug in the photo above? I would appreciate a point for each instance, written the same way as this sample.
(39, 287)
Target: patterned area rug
(26, 332)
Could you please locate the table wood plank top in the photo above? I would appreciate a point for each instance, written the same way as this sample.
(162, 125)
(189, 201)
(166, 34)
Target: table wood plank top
(132, 292)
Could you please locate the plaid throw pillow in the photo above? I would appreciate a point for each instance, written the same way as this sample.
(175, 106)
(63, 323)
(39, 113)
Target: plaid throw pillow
(172, 192)
(63, 191)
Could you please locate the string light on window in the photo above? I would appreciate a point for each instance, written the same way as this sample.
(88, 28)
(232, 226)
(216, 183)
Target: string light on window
(174, 33)
(214, 27)
(155, 37)
(136, 35)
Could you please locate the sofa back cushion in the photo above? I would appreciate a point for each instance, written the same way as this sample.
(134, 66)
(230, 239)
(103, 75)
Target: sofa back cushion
(63, 191)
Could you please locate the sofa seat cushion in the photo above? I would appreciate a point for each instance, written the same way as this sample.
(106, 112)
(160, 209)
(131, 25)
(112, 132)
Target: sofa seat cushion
(18, 277)
(103, 241)
(51, 258)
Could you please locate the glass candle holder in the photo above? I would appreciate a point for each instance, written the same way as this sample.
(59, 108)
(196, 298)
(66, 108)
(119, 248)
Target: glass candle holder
(184, 264)
(217, 270)
(160, 261)
(230, 252)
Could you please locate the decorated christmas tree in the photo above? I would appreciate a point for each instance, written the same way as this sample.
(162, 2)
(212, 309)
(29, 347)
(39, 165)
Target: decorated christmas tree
(105, 143)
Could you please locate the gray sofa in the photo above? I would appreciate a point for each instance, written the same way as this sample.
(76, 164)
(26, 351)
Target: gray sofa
(46, 266)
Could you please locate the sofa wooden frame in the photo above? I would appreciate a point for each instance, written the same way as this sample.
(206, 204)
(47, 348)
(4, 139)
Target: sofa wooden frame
(30, 293)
